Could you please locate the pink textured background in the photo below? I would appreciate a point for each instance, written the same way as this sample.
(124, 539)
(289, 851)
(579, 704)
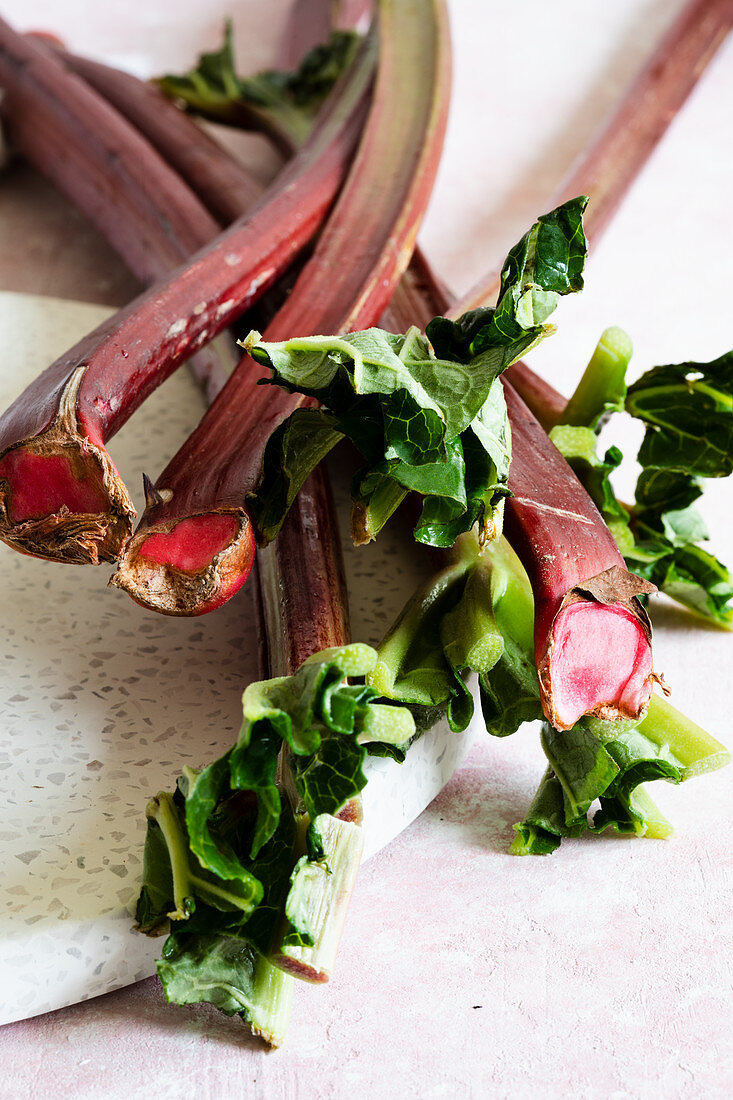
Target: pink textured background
(463, 972)
(603, 971)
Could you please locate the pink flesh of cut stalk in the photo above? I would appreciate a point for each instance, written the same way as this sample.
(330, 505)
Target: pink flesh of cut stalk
(601, 661)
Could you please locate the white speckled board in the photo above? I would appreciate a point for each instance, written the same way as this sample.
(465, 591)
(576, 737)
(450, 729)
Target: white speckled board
(102, 702)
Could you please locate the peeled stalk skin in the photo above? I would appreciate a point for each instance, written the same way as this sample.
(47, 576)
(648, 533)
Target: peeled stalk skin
(619, 152)
(361, 254)
(79, 402)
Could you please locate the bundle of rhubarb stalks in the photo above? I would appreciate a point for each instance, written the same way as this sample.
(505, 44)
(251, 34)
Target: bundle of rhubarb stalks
(312, 324)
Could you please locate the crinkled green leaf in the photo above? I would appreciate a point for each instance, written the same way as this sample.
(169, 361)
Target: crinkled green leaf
(327, 778)
(426, 412)
(231, 975)
(582, 764)
(659, 538)
(688, 410)
(510, 692)
(546, 263)
(205, 792)
(293, 450)
(220, 852)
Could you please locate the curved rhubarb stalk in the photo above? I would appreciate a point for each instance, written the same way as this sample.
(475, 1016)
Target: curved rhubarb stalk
(362, 252)
(224, 185)
(78, 510)
(592, 636)
(75, 137)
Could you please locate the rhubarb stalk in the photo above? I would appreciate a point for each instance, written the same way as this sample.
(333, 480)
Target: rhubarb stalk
(304, 609)
(199, 501)
(76, 138)
(223, 184)
(592, 636)
(60, 495)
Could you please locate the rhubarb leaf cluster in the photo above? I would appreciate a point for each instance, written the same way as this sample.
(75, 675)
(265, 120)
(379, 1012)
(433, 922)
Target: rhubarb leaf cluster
(225, 852)
(426, 412)
(688, 411)
(595, 769)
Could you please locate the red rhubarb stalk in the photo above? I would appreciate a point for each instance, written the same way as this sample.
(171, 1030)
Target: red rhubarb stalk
(592, 636)
(80, 511)
(362, 252)
(74, 136)
(222, 184)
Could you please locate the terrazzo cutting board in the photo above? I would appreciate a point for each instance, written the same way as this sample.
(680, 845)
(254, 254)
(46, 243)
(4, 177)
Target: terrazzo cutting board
(101, 703)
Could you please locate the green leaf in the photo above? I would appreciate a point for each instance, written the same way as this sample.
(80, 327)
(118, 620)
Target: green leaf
(510, 692)
(292, 452)
(546, 263)
(427, 419)
(283, 102)
(632, 814)
(544, 827)
(331, 776)
(582, 764)
(220, 852)
(231, 975)
(688, 410)
(659, 539)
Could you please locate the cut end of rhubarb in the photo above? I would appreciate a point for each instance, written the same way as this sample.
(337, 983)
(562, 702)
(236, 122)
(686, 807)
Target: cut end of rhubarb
(189, 567)
(62, 499)
(599, 662)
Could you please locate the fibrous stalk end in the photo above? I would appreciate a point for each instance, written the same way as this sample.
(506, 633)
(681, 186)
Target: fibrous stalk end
(598, 657)
(190, 566)
(62, 499)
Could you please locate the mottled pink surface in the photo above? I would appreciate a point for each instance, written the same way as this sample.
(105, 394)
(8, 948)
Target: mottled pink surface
(602, 971)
